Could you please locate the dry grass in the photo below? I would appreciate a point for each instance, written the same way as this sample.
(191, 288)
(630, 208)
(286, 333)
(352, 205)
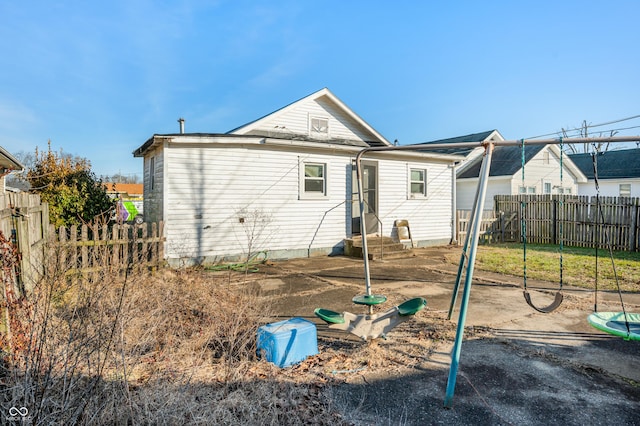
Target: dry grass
(173, 347)
(178, 347)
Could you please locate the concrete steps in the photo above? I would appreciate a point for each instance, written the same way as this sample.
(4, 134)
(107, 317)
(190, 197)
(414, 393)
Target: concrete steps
(377, 247)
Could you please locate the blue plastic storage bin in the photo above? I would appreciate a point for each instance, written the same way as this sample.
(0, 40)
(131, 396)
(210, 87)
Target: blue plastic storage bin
(287, 342)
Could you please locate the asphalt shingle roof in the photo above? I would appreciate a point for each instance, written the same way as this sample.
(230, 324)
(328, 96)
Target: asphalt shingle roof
(473, 137)
(505, 161)
(615, 164)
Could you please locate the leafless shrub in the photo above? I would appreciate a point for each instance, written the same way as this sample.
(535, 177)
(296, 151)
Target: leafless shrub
(168, 347)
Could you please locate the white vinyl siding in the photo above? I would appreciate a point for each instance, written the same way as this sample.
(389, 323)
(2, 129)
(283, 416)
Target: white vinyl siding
(212, 188)
(542, 170)
(429, 217)
(610, 187)
(466, 192)
(216, 194)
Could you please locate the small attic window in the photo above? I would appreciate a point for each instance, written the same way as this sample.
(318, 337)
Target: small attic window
(319, 126)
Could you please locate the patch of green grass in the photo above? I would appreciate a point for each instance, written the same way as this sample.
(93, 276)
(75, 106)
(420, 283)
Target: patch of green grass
(578, 265)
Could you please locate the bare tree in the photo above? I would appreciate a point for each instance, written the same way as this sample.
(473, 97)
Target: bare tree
(19, 179)
(583, 132)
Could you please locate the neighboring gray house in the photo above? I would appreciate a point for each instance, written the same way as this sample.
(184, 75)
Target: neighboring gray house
(285, 184)
(618, 173)
(542, 170)
(8, 164)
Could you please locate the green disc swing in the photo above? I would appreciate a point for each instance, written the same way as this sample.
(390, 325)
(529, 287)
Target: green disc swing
(557, 301)
(622, 324)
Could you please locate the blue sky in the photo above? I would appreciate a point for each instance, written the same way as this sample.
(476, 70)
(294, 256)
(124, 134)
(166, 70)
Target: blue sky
(99, 78)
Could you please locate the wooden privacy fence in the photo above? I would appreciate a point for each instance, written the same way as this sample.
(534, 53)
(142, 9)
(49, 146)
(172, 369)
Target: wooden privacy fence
(579, 221)
(551, 218)
(24, 222)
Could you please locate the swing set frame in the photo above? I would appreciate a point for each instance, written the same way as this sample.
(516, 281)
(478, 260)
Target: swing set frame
(467, 259)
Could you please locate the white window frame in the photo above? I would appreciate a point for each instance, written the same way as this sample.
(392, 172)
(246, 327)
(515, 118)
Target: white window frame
(316, 130)
(627, 191)
(416, 195)
(547, 185)
(526, 190)
(313, 195)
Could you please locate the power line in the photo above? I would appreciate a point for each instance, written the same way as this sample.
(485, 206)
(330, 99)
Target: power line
(591, 126)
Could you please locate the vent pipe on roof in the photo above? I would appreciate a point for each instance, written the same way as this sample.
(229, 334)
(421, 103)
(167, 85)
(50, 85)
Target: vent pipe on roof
(181, 121)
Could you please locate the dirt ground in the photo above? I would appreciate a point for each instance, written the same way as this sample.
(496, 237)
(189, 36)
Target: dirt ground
(517, 366)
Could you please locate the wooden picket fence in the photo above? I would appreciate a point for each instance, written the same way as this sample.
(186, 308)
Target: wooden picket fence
(578, 221)
(90, 251)
(83, 250)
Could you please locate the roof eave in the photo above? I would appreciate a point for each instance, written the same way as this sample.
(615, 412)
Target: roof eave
(11, 162)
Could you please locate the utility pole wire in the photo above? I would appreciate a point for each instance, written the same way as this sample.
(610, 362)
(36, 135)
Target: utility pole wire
(594, 125)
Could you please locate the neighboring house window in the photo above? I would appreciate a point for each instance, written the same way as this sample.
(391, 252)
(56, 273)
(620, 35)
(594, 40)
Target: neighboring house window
(152, 172)
(417, 183)
(547, 187)
(319, 126)
(625, 189)
(531, 189)
(526, 190)
(313, 180)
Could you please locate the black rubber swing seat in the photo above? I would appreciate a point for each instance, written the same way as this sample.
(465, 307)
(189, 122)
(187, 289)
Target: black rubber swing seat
(546, 309)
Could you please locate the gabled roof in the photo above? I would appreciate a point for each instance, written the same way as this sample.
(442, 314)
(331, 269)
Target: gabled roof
(615, 164)
(505, 161)
(248, 128)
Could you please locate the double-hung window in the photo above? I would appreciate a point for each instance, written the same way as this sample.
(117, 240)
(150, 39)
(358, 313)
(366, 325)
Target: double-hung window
(313, 180)
(417, 183)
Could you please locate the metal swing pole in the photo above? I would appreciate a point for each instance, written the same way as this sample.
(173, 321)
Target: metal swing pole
(363, 226)
(457, 346)
(463, 256)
